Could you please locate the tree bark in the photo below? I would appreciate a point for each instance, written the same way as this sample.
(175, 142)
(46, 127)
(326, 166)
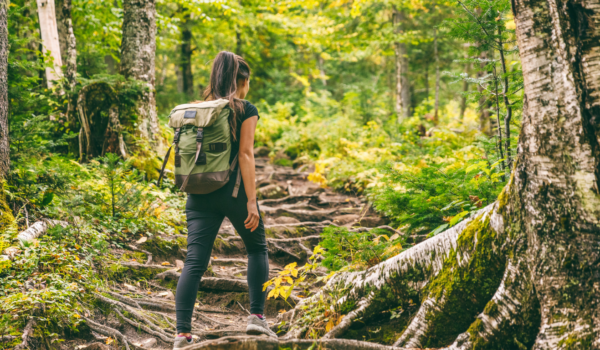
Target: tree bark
(138, 48)
(4, 143)
(437, 75)
(402, 83)
(526, 269)
(49, 31)
(485, 125)
(465, 90)
(186, 57)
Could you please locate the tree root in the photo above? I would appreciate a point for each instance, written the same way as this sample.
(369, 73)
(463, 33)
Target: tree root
(107, 331)
(163, 336)
(348, 319)
(407, 272)
(148, 254)
(263, 343)
(119, 305)
(510, 318)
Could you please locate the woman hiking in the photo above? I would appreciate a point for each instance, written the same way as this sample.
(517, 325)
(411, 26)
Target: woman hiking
(229, 79)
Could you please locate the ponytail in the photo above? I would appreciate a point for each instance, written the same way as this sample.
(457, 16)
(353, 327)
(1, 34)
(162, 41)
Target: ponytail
(227, 69)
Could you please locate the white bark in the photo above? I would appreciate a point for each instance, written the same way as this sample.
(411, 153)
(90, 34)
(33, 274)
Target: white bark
(49, 31)
(39, 229)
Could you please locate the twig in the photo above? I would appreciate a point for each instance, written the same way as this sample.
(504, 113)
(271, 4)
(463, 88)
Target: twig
(248, 312)
(29, 328)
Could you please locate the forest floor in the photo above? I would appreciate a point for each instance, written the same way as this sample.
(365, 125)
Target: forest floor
(143, 277)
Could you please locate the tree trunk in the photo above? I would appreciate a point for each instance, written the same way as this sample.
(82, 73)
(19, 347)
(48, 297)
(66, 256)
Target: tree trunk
(524, 272)
(465, 90)
(186, 58)
(138, 48)
(485, 125)
(437, 76)
(49, 31)
(4, 144)
(402, 83)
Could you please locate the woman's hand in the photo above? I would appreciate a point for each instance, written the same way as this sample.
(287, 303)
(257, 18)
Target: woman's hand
(253, 216)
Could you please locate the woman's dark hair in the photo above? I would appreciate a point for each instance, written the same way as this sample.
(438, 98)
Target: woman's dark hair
(227, 69)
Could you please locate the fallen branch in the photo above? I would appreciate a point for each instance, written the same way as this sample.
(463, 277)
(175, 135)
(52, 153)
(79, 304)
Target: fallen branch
(39, 229)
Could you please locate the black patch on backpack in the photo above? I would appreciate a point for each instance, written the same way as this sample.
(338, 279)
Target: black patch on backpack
(177, 160)
(189, 115)
(217, 147)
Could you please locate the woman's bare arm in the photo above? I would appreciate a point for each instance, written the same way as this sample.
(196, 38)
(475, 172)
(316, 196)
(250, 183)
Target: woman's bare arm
(247, 166)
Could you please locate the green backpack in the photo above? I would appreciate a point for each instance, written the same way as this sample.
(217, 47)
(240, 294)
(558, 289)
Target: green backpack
(202, 147)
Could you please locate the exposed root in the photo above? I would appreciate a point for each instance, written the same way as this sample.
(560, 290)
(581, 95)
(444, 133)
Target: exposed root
(107, 331)
(510, 319)
(118, 305)
(148, 254)
(125, 299)
(411, 270)
(417, 329)
(287, 199)
(471, 274)
(165, 337)
(348, 319)
(263, 343)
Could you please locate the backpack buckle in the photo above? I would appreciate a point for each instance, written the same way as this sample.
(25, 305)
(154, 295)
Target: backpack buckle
(200, 135)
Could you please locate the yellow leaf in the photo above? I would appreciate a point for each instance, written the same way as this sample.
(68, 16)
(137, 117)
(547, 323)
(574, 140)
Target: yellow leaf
(339, 320)
(166, 263)
(109, 341)
(289, 279)
(282, 311)
(329, 325)
(76, 316)
(291, 266)
(300, 296)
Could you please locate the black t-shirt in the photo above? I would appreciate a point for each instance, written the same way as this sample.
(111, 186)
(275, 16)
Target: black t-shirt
(249, 112)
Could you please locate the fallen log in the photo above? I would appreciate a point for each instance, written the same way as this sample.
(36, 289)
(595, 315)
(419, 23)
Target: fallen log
(252, 343)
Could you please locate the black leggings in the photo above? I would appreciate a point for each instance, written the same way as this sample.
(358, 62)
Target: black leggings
(205, 213)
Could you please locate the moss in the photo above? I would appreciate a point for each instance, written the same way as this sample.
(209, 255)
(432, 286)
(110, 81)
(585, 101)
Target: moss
(491, 309)
(7, 220)
(137, 256)
(182, 242)
(468, 288)
(162, 248)
(118, 272)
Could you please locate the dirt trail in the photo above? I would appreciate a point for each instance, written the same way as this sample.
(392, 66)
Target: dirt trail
(140, 305)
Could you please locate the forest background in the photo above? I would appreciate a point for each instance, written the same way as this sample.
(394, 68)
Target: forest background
(415, 104)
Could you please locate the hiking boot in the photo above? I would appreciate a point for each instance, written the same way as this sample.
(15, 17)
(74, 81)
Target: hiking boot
(182, 342)
(256, 326)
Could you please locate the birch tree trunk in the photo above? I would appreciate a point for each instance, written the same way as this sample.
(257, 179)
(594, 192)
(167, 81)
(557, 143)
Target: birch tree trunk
(524, 272)
(138, 48)
(49, 31)
(4, 144)
(402, 83)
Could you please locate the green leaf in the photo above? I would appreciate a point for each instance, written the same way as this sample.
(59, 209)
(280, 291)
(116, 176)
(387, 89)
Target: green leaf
(458, 217)
(439, 229)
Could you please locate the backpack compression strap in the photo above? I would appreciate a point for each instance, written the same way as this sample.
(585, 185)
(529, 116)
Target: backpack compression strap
(176, 143)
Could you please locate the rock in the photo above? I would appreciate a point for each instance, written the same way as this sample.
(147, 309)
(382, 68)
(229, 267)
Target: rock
(179, 264)
(271, 192)
(371, 221)
(93, 346)
(261, 151)
(286, 220)
(148, 343)
(345, 219)
(130, 287)
(167, 295)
